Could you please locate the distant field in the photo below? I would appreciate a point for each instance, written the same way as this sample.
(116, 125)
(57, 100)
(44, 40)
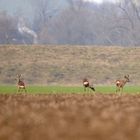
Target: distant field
(68, 65)
(67, 89)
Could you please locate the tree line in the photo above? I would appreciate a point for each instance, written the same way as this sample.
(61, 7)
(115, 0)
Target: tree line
(79, 22)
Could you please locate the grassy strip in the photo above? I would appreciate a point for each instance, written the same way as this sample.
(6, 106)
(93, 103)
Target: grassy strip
(67, 89)
(42, 89)
(112, 89)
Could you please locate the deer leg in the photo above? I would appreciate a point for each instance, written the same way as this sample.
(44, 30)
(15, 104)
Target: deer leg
(121, 91)
(25, 90)
(18, 90)
(117, 89)
(84, 88)
(87, 89)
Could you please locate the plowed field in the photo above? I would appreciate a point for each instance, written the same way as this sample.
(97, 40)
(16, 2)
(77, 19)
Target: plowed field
(70, 117)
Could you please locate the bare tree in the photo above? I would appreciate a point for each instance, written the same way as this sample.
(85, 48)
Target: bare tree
(86, 23)
(130, 12)
(45, 10)
(8, 31)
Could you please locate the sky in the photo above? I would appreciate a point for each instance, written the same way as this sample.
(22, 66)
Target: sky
(16, 6)
(24, 7)
(100, 1)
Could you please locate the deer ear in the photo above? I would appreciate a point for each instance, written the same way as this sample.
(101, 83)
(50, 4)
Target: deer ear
(19, 75)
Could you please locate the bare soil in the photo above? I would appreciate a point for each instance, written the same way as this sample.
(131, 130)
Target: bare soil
(70, 117)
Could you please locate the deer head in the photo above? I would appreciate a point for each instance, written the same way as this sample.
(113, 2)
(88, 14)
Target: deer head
(127, 78)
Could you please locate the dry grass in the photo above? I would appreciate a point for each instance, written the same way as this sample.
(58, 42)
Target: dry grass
(67, 65)
(70, 117)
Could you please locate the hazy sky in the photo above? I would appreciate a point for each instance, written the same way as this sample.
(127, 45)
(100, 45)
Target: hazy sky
(24, 7)
(16, 6)
(100, 1)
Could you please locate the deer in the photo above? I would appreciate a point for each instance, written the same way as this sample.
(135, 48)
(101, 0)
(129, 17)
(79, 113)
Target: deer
(20, 84)
(121, 83)
(86, 84)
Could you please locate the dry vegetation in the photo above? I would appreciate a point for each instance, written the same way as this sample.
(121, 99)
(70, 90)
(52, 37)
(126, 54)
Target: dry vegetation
(70, 117)
(68, 64)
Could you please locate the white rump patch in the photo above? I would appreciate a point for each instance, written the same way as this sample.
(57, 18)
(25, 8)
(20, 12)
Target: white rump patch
(117, 82)
(85, 83)
(21, 86)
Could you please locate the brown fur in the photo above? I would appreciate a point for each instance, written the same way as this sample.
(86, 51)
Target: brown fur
(121, 83)
(86, 84)
(20, 84)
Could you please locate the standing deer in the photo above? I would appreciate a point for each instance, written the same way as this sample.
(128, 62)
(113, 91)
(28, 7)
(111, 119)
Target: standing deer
(121, 83)
(86, 84)
(20, 84)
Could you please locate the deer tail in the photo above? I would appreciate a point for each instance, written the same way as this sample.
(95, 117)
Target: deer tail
(91, 87)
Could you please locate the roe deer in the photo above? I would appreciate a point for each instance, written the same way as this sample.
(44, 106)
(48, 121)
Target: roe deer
(20, 84)
(86, 84)
(121, 83)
